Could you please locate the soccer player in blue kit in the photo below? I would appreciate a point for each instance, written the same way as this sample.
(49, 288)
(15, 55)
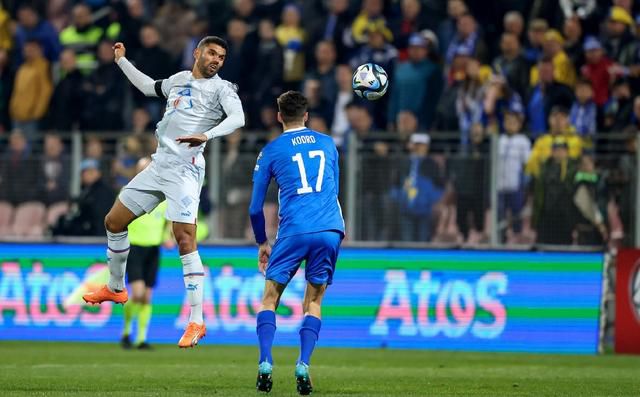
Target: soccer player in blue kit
(304, 164)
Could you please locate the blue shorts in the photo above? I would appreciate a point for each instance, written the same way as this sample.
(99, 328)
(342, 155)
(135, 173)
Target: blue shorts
(319, 250)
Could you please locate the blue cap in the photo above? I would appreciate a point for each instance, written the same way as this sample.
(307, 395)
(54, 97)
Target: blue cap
(418, 40)
(89, 163)
(515, 107)
(591, 43)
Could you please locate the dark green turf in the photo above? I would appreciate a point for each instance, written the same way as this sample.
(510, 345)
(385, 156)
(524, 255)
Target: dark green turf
(69, 369)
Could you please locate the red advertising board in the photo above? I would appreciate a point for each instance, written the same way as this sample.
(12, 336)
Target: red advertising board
(628, 302)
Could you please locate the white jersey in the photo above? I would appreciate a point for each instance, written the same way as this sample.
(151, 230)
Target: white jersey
(194, 106)
(513, 152)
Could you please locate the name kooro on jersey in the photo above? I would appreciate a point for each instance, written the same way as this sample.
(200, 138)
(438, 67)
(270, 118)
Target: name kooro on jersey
(300, 140)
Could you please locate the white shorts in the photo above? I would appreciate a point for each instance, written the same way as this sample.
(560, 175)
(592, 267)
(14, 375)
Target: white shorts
(166, 177)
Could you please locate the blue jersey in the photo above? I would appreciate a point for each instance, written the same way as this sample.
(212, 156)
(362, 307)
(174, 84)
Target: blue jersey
(304, 164)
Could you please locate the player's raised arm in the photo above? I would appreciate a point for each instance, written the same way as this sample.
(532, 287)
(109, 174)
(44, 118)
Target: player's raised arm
(141, 81)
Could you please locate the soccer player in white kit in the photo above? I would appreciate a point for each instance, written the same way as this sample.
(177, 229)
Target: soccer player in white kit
(200, 106)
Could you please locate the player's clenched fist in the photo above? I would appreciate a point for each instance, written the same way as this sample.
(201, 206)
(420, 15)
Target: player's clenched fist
(118, 51)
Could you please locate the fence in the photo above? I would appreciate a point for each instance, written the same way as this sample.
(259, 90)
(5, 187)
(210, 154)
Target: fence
(393, 193)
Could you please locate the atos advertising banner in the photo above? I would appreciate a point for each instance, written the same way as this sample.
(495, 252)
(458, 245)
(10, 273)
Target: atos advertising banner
(627, 338)
(450, 300)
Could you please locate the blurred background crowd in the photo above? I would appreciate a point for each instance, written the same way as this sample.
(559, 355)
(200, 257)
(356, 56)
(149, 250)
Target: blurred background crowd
(517, 116)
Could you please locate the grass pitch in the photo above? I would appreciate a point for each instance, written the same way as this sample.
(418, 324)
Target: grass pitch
(80, 369)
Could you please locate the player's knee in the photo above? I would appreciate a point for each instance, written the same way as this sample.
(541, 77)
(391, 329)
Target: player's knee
(112, 224)
(186, 241)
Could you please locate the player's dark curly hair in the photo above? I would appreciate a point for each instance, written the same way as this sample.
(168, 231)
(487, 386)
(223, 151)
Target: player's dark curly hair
(213, 40)
(292, 106)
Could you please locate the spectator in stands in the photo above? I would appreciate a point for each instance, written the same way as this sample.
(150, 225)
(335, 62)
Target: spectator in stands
(468, 36)
(419, 187)
(86, 217)
(240, 56)
(333, 26)
(377, 168)
(535, 35)
(31, 27)
(597, 69)
(174, 20)
(31, 91)
(590, 228)
(18, 171)
(55, 171)
(318, 105)
(371, 11)
(514, 149)
(83, 37)
(7, 77)
(406, 125)
(105, 90)
(622, 185)
(563, 70)
(266, 81)
(584, 111)
(412, 20)
(152, 61)
(124, 165)
(325, 70)
(469, 173)
(67, 102)
(618, 39)
(584, 11)
(512, 65)
(513, 23)
(94, 149)
(378, 49)
(292, 38)
(619, 108)
(417, 84)
(6, 30)
(573, 46)
(447, 29)
(469, 102)
(543, 96)
(340, 124)
(498, 97)
(559, 127)
(553, 207)
(132, 19)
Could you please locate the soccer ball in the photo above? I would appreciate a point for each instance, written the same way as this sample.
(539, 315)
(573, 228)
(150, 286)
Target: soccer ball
(370, 81)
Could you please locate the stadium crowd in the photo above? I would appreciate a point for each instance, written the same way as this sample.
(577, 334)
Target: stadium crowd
(551, 78)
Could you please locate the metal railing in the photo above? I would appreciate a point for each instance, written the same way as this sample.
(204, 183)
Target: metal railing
(377, 193)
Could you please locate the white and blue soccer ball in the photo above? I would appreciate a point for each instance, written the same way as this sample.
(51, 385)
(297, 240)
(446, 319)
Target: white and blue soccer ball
(370, 81)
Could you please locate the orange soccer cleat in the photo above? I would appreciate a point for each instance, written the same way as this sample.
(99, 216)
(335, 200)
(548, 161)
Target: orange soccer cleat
(104, 294)
(192, 335)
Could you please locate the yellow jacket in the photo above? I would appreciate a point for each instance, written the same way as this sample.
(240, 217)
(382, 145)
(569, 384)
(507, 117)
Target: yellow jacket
(563, 70)
(542, 151)
(6, 41)
(31, 91)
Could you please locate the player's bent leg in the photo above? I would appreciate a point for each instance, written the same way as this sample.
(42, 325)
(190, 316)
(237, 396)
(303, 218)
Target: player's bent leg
(116, 222)
(193, 273)
(266, 330)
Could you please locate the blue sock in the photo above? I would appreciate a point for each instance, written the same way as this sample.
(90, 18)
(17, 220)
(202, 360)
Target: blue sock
(309, 333)
(266, 330)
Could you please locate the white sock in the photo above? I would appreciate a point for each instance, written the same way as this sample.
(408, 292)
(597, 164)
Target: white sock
(117, 252)
(193, 272)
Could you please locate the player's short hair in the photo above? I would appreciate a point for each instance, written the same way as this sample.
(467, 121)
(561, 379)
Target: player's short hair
(292, 106)
(213, 40)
